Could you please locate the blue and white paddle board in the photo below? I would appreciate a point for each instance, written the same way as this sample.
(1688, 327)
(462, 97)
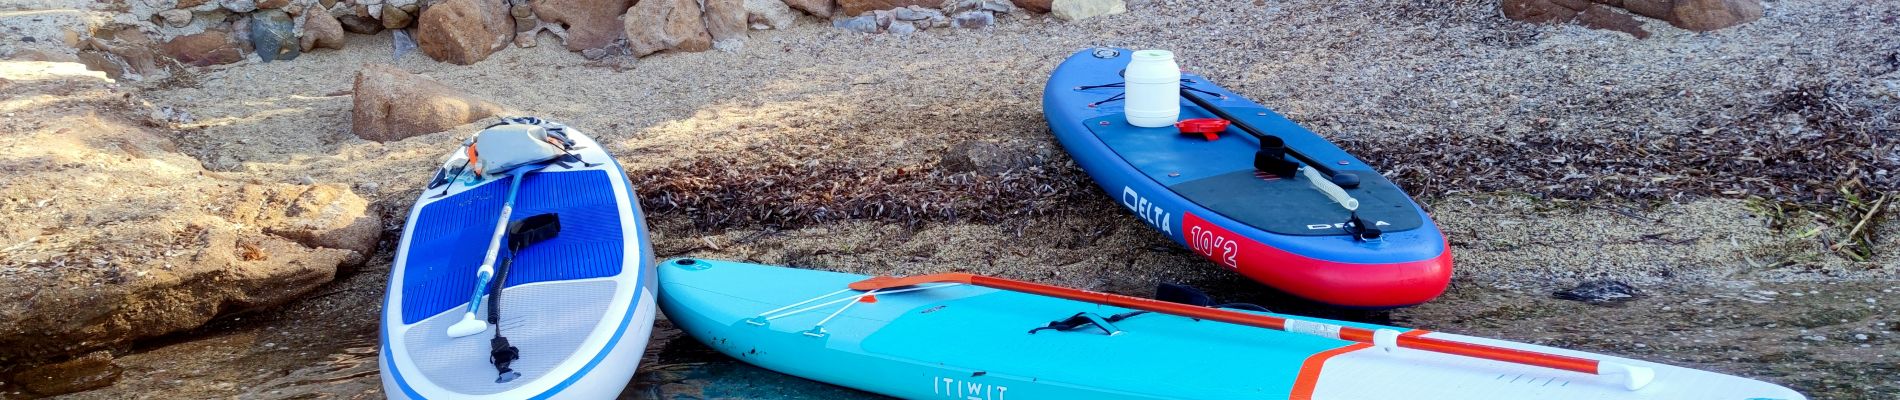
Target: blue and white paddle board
(579, 306)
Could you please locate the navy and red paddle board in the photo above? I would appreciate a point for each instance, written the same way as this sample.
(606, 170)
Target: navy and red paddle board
(1207, 194)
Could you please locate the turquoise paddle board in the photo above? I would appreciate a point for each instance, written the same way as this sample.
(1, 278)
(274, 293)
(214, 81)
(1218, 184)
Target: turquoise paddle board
(950, 340)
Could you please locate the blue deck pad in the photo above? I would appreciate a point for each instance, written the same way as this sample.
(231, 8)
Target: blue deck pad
(451, 235)
(1220, 175)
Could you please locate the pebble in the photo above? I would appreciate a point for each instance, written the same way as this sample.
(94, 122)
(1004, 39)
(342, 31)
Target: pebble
(860, 24)
(902, 28)
(1860, 336)
(973, 20)
(1817, 338)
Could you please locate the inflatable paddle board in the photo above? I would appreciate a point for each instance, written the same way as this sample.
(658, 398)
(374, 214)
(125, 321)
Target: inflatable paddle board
(578, 306)
(1208, 195)
(960, 336)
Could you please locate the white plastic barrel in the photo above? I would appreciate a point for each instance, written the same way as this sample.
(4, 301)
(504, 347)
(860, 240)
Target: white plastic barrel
(1154, 89)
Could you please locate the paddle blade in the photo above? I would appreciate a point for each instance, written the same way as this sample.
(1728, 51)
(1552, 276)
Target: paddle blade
(533, 229)
(469, 325)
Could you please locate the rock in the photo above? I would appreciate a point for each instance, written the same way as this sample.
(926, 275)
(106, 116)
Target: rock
(316, 216)
(320, 29)
(902, 28)
(988, 158)
(656, 25)
(1600, 16)
(391, 104)
(1538, 11)
(1658, 9)
(238, 6)
(271, 36)
(859, 7)
(590, 24)
(959, 6)
(973, 20)
(769, 14)
(916, 13)
(395, 18)
(1599, 292)
(124, 54)
(726, 20)
(861, 24)
(463, 32)
(360, 25)
(1041, 6)
(1077, 10)
(272, 4)
(1708, 15)
(883, 17)
(817, 8)
(91, 371)
(190, 4)
(204, 48)
(175, 18)
(164, 258)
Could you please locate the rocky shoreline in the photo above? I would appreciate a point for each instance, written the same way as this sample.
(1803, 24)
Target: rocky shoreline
(219, 219)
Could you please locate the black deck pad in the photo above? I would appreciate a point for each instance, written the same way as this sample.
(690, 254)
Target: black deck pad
(1295, 207)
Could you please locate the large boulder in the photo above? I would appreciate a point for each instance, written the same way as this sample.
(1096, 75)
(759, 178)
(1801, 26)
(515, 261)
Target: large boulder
(1604, 17)
(1695, 15)
(1658, 9)
(272, 36)
(1041, 6)
(113, 235)
(817, 8)
(321, 30)
(123, 54)
(590, 24)
(656, 25)
(391, 104)
(464, 31)
(1708, 15)
(856, 7)
(206, 48)
(769, 14)
(1077, 10)
(726, 21)
(1539, 11)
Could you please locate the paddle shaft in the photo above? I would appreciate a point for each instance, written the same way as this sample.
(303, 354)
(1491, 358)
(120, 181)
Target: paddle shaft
(1256, 132)
(1362, 335)
(487, 271)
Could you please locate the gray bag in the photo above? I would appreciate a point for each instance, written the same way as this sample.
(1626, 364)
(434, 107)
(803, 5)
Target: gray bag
(502, 148)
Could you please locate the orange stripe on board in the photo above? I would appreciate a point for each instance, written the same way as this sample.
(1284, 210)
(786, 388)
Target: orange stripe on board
(1308, 379)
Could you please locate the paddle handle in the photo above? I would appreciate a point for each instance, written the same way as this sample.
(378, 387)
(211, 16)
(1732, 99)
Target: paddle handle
(1637, 376)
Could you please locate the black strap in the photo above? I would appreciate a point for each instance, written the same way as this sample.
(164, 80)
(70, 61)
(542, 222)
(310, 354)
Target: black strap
(1073, 322)
(500, 353)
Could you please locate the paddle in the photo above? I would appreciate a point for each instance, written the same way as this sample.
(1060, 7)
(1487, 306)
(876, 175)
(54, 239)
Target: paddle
(469, 324)
(1271, 159)
(1635, 377)
(521, 234)
(1272, 147)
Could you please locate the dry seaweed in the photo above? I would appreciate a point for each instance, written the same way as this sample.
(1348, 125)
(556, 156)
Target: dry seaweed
(713, 193)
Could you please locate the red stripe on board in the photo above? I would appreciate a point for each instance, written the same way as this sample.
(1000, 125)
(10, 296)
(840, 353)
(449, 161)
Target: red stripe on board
(1308, 380)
